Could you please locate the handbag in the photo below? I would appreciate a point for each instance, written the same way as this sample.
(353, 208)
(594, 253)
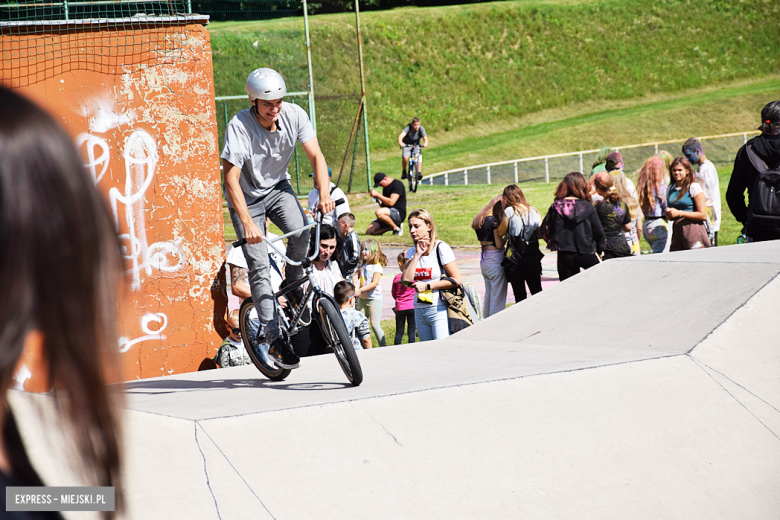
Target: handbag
(459, 314)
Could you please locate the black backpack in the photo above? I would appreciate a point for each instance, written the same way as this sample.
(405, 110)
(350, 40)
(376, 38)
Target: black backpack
(521, 250)
(764, 209)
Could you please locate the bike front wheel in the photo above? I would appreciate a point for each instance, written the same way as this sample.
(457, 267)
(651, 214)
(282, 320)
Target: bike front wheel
(335, 334)
(254, 344)
(413, 176)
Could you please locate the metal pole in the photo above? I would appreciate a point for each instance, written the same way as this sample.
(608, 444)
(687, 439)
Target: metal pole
(446, 179)
(189, 6)
(363, 93)
(546, 170)
(744, 138)
(67, 10)
(656, 148)
(580, 163)
(488, 174)
(312, 114)
(516, 178)
(224, 106)
(297, 172)
(465, 177)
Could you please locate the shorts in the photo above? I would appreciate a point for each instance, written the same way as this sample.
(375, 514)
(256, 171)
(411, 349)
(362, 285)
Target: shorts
(408, 149)
(394, 215)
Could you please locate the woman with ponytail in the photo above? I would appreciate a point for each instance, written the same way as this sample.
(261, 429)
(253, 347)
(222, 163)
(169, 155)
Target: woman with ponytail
(614, 215)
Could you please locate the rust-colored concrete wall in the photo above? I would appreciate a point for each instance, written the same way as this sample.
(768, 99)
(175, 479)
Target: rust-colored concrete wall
(143, 118)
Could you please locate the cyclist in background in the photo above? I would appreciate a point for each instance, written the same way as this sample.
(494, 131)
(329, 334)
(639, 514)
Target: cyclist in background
(410, 137)
(259, 143)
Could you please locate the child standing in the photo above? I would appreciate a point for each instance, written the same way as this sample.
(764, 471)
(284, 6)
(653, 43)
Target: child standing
(369, 290)
(357, 324)
(350, 246)
(404, 305)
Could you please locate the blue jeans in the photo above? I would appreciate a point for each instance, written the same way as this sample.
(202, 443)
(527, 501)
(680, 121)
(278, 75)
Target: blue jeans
(431, 321)
(282, 207)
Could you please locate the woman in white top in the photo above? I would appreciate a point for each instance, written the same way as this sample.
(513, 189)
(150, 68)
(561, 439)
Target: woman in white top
(422, 268)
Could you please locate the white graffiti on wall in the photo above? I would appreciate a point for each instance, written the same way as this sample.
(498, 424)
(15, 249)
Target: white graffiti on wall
(161, 319)
(140, 154)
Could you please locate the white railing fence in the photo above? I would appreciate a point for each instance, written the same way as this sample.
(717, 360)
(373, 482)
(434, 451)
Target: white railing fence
(717, 148)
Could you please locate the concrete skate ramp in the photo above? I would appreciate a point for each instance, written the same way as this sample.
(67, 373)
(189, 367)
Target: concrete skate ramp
(642, 388)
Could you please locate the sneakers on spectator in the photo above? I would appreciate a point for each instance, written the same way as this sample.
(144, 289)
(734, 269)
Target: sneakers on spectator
(399, 230)
(282, 354)
(403, 174)
(419, 176)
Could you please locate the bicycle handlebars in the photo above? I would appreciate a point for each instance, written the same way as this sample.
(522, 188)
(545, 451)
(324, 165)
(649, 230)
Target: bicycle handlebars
(317, 222)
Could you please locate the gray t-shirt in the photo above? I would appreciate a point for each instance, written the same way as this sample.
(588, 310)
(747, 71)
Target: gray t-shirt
(263, 156)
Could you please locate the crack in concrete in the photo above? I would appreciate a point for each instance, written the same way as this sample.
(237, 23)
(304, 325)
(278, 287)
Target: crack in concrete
(696, 362)
(206, 471)
(197, 424)
(386, 430)
(739, 385)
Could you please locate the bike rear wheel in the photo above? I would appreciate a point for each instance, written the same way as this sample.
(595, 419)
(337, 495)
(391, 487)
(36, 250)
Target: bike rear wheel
(335, 334)
(257, 350)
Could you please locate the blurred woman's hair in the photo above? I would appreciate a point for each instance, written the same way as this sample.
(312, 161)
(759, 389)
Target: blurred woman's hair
(650, 178)
(484, 213)
(573, 185)
(667, 158)
(605, 186)
(60, 271)
(621, 185)
(422, 214)
(689, 179)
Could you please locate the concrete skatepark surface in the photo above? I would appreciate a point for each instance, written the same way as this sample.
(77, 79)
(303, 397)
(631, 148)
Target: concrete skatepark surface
(645, 387)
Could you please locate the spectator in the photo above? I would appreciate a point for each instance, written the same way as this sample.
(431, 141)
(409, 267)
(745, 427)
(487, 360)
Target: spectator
(309, 341)
(687, 207)
(572, 227)
(427, 261)
(370, 291)
(350, 246)
(523, 261)
(600, 164)
(335, 193)
(486, 227)
(404, 306)
(60, 269)
(667, 158)
(231, 351)
(356, 322)
(707, 177)
(614, 216)
(392, 202)
(651, 189)
(764, 151)
(627, 192)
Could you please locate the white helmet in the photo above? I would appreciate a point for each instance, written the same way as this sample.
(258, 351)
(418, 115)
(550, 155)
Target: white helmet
(266, 84)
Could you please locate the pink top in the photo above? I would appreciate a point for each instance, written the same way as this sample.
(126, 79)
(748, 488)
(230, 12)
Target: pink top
(404, 296)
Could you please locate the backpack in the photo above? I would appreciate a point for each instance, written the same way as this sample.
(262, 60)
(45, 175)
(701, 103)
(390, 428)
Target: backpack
(523, 248)
(764, 209)
(459, 311)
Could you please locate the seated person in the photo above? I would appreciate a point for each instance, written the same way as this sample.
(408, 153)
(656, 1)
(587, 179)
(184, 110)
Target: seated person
(232, 352)
(392, 201)
(335, 194)
(350, 246)
(239, 272)
(357, 323)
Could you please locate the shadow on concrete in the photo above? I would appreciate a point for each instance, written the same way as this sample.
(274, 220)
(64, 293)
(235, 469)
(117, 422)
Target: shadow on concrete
(169, 386)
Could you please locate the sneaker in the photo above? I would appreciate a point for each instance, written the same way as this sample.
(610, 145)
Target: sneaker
(403, 174)
(419, 176)
(282, 354)
(399, 230)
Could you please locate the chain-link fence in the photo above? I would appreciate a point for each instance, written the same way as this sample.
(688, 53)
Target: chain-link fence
(549, 168)
(333, 97)
(42, 39)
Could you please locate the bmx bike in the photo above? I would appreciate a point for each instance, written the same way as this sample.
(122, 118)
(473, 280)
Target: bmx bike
(325, 313)
(414, 162)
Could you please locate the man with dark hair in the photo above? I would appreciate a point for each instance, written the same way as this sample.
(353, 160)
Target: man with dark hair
(392, 201)
(757, 169)
(707, 177)
(411, 137)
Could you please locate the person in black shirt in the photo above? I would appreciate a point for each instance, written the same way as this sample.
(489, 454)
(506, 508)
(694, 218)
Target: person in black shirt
(392, 212)
(766, 148)
(614, 215)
